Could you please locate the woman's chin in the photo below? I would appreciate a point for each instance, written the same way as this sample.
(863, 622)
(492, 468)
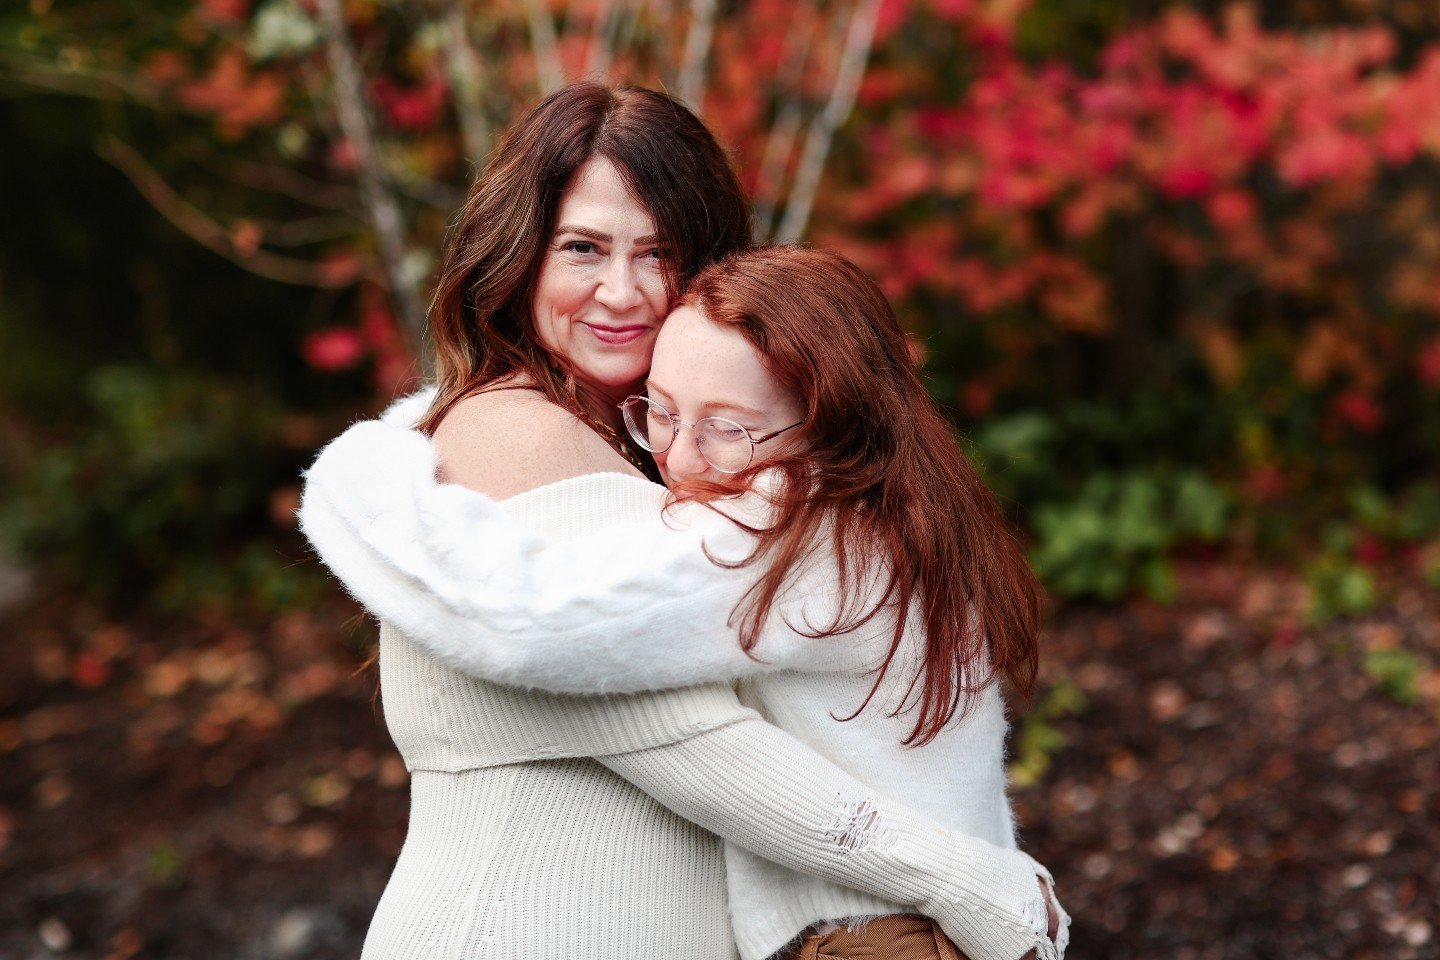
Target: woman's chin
(613, 376)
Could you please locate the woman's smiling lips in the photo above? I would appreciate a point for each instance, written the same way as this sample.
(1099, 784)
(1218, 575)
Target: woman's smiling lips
(618, 336)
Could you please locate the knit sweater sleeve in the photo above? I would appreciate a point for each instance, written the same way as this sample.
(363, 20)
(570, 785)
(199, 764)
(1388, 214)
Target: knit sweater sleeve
(630, 604)
(422, 556)
(754, 785)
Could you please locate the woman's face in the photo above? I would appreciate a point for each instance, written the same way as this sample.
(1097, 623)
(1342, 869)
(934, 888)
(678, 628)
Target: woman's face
(705, 369)
(601, 294)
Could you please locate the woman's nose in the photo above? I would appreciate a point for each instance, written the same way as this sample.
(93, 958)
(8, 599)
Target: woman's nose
(619, 289)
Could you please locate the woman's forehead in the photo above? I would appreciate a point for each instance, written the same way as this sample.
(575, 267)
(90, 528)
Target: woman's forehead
(598, 199)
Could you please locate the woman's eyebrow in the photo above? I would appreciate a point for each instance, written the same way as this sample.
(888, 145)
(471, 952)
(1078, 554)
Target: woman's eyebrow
(600, 236)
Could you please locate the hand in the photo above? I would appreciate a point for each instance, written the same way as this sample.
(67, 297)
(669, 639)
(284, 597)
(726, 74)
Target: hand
(992, 909)
(1057, 921)
(1053, 920)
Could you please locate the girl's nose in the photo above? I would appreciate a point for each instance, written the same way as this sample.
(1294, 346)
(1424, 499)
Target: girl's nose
(683, 460)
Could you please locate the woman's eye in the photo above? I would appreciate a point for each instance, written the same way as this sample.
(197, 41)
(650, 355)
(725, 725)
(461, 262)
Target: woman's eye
(658, 418)
(583, 247)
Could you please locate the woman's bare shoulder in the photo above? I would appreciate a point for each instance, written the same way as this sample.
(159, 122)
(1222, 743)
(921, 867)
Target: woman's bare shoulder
(505, 442)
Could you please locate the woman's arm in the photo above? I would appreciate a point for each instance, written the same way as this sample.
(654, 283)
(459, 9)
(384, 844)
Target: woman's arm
(636, 605)
(756, 786)
(745, 785)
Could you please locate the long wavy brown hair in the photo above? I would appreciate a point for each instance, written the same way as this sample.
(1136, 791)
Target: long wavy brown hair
(480, 318)
(885, 468)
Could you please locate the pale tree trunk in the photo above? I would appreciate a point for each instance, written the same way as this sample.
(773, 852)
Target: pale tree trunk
(546, 44)
(659, 13)
(467, 79)
(789, 114)
(836, 111)
(690, 85)
(381, 208)
(604, 33)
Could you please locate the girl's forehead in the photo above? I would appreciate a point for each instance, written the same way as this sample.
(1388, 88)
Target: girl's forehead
(694, 342)
(703, 362)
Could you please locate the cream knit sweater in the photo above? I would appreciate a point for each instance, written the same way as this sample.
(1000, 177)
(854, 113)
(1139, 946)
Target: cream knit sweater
(405, 545)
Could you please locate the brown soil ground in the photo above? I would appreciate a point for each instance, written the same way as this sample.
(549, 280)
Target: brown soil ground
(1234, 787)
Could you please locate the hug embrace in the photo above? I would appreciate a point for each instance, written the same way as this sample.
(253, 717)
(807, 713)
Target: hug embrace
(755, 711)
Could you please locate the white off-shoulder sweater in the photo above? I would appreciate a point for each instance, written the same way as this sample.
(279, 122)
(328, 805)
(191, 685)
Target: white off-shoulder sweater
(580, 586)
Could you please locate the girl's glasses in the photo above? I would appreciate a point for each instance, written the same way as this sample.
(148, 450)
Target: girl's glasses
(725, 445)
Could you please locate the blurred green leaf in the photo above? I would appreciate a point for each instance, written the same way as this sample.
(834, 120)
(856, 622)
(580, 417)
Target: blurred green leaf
(1419, 517)
(165, 865)
(1339, 588)
(1039, 737)
(1395, 672)
(1115, 536)
(281, 28)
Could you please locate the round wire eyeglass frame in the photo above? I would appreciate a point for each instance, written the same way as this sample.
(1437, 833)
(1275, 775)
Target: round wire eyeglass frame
(641, 434)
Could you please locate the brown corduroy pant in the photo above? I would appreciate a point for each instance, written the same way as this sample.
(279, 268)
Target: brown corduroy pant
(902, 936)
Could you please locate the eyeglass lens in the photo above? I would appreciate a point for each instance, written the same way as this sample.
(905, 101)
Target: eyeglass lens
(723, 443)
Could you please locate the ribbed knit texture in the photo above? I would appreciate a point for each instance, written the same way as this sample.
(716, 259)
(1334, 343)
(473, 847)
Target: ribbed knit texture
(442, 719)
(511, 854)
(538, 861)
(957, 780)
(769, 796)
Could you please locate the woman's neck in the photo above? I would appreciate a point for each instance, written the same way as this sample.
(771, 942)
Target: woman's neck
(602, 401)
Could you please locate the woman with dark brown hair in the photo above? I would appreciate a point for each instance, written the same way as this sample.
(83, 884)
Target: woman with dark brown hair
(510, 306)
(526, 839)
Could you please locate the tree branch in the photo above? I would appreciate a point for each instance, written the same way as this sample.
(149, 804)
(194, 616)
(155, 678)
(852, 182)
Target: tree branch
(691, 85)
(274, 178)
(437, 193)
(300, 233)
(837, 109)
(467, 78)
(603, 34)
(95, 84)
(548, 70)
(780, 145)
(659, 14)
(204, 229)
(380, 205)
(285, 181)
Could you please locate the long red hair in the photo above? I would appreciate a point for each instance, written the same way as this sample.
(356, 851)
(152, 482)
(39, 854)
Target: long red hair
(883, 469)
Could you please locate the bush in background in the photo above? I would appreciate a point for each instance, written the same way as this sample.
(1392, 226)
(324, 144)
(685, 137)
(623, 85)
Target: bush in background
(167, 494)
(1183, 262)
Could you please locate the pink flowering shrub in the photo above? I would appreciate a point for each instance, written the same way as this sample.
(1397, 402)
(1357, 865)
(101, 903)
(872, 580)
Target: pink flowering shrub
(1245, 216)
(1198, 243)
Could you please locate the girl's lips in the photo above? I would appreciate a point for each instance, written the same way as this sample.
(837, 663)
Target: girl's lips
(617, 336)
